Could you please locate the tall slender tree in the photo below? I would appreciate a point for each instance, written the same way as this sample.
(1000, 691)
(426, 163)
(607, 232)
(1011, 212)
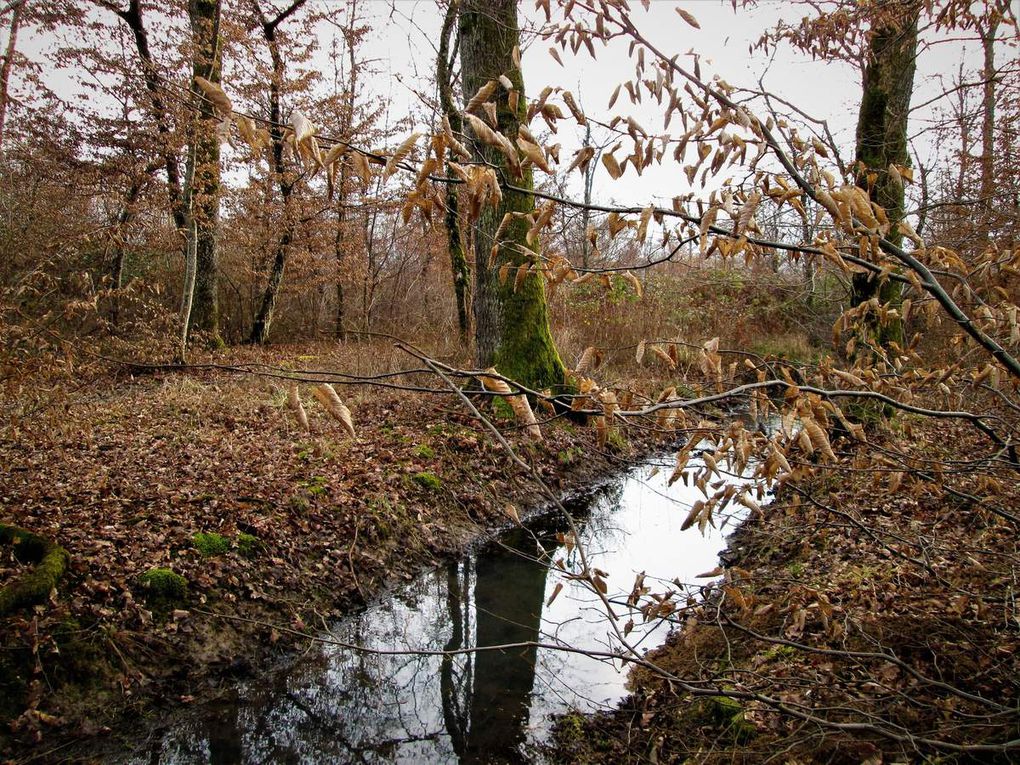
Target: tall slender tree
(454, 240)
(264, 317)
(17, 10)
(205, 194)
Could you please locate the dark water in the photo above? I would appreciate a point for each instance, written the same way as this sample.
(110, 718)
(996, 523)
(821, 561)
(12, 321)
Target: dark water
(336, 705)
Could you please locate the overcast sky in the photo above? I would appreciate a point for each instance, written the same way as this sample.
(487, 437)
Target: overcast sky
(829, 91)
(404, 37)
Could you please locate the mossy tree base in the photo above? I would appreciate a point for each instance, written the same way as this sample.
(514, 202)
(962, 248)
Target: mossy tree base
(511, 316)
(34, 587)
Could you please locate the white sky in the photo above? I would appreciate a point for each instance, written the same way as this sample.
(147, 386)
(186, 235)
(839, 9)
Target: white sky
(404, 37)
(829, 91)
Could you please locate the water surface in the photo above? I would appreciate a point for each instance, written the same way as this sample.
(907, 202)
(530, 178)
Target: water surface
(337, 705)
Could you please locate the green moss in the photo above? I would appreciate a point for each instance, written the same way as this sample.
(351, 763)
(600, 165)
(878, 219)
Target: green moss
(729, 714)
(425, 452)
(33, 587)
(570, 455)
(780, 652)
(164, 589)
(316, 485)
(249, 545)
(427, 480)
(796, 569)
(570, 727)
(616, 441)
(210, 543)
(501, 410)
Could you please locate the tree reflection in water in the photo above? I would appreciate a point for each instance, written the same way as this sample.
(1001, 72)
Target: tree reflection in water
(337, 705)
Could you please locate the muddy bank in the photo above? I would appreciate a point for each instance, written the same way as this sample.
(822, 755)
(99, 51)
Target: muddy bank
(852, 626)
(185, 500)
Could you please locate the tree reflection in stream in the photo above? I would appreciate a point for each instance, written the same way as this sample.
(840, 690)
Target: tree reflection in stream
(336, 705)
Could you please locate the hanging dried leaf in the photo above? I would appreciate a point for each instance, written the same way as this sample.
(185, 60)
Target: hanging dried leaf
(294, 401)
(519, 403)
(455, 145)
(303, 128)
(556, 591)
(581, 158)
(484, 94)
(663, 356)
(646, 217)
(400, 155)
(635, 284)
(216, 96)
(535, 154)
(615, 171)
(361, 167)
(588, 360)
(686, 16)
(329, 399)
(522, 273)
(568, 99)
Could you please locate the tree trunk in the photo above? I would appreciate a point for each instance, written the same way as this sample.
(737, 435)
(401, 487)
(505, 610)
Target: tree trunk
(454, 242)
(133, 18)
(344, 179)
(589, 182)
(881, 141)
(264, 318)
(340, 330)
(8, 66)
(205, 197)
(988, 129)
(119, 241)
(511, 326)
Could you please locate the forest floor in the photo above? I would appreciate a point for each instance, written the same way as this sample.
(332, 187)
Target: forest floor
(876, 608)
(275, 529)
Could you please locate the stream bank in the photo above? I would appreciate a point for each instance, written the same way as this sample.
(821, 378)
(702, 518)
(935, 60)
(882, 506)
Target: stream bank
(416, 677)
(208, 478)
(853, 626)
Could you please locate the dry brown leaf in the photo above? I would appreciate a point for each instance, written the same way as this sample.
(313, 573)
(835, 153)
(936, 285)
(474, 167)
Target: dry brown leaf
(329, 399)
(294, 401)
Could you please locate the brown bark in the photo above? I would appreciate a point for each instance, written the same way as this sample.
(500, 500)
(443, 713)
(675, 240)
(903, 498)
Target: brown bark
(205, 193)
(264, 317)
(988, 126)
(454, 242)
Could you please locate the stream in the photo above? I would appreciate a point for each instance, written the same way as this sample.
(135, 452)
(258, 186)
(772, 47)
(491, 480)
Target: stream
(335, 705)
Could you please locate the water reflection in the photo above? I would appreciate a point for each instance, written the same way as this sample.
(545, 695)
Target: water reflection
(336, 705)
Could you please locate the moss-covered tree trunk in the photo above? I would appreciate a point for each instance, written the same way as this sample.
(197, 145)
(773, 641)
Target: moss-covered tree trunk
(33, 587)
(511, 326)
(205, 200)
(454, 242)
(882, 140)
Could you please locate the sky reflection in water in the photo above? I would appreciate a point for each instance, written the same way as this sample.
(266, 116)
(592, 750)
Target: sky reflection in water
(335, 705)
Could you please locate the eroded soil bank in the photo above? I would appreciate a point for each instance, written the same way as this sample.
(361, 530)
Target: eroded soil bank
(854, 625)
(207, 476)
